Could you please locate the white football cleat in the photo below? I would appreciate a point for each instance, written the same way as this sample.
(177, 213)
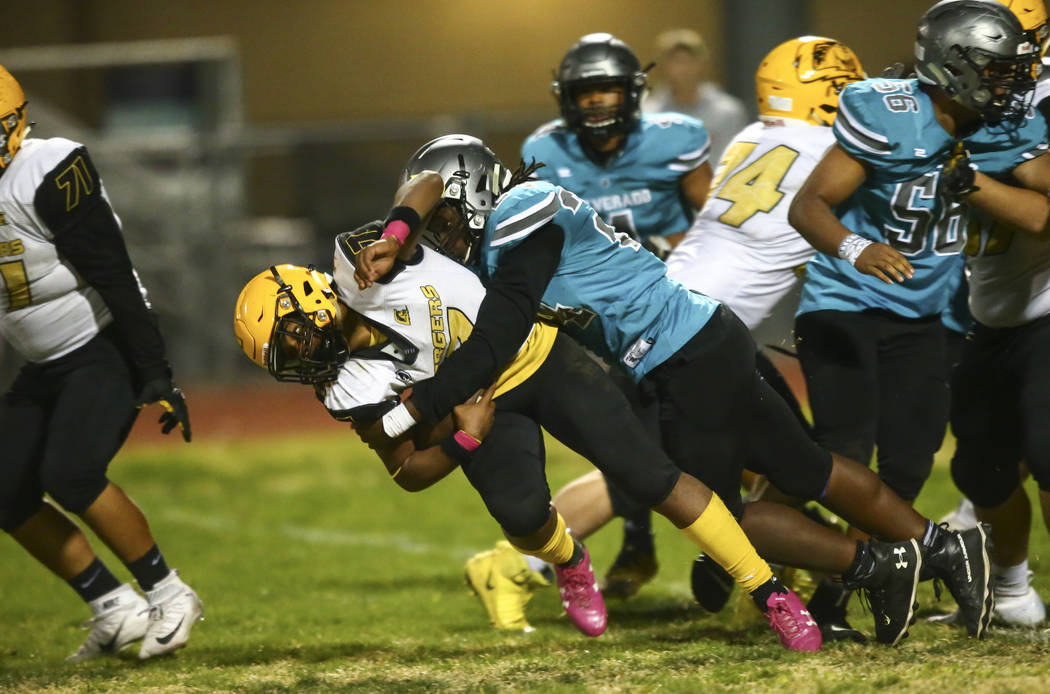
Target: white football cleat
(1024, 610)
(121, 616)
(173, 610)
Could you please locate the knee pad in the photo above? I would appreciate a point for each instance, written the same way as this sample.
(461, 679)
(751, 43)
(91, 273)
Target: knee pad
(906, 479)
(986, 484)
(73, 491)
(627, 505)
(16, 511)
(520, 517)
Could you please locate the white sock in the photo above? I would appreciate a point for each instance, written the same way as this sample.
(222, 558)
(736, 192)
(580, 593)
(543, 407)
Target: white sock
(1011, 580)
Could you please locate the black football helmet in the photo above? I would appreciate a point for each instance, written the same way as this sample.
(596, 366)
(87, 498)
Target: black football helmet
(594, 60)
(474, 178)
(978, 52)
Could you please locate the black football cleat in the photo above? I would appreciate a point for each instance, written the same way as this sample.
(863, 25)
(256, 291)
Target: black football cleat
(891, 588)
(961, 562)
(711, 584)
(632, 569)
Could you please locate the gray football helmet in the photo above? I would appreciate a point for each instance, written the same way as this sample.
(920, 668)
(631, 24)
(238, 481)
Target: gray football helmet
(600, 59)
(474, 178)
(978, 52)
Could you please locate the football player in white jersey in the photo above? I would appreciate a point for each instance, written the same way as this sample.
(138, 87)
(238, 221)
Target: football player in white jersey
(368, 347)
(72, 306)
(741, 248)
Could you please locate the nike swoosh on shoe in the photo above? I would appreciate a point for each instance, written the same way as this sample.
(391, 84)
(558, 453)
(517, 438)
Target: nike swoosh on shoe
(169, 637)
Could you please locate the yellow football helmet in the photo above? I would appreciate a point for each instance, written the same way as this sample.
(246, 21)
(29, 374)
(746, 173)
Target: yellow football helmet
(1032, 14)
(12, 117)
(801, 79)
(286, 322)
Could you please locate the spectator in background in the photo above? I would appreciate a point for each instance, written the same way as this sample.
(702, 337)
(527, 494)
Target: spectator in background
(683, 62)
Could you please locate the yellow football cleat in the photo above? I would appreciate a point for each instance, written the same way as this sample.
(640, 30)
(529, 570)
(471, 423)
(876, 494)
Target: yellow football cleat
(504, 583)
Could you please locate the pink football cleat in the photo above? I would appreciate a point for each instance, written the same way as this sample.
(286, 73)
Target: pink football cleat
(797, 629)
(581, 598)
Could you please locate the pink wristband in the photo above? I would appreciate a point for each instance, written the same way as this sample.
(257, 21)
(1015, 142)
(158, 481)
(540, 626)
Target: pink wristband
(398, 229)
(466, 441)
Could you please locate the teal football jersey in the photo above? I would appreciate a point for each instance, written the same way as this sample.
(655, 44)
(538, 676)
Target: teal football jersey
(890, 126)
(606, 292)
(638, 191)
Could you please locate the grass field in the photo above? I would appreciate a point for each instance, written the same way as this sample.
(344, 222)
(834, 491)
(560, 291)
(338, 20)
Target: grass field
(318, 574)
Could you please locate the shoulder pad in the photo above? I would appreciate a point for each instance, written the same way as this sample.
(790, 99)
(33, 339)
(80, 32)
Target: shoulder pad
(556, 125)
(858, 128)
(69, 187)
(350, 243)
(364, 413)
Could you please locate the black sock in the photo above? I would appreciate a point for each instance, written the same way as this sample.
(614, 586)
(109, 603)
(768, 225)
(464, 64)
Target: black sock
(829, 600)
(149, 569)
(934, 537)
(577, 555)
(761, 594)
(862, 568)
(638, 533)
(94, 581)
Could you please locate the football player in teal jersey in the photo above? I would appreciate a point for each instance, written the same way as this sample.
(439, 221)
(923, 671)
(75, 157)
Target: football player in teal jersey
(541, 249)
(885, 208)
(645, 174)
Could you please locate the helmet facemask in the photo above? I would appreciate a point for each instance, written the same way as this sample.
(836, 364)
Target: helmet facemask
(600, 122)
(304, 347)
(455, 230)
(474, 178)
(1000, 89)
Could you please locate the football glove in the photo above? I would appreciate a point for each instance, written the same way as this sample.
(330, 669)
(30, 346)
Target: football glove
(958, 174)
(164, 392)
(658, 246)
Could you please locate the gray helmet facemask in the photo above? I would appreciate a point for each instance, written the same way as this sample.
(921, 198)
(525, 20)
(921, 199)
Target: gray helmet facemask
(978, 52)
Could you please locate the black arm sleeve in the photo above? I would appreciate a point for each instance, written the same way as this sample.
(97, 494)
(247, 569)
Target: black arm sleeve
(87, 234)
(504, 319)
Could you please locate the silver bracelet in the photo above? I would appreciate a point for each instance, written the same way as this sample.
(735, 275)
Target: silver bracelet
(397, 421)
(852, 246)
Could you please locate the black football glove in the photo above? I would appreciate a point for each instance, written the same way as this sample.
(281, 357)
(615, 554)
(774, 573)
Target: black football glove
(658, 246)
(958, 174)
(168, 395)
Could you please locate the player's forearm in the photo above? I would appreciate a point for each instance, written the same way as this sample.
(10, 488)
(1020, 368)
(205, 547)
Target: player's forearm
(421, 195)
(1026, 210)
(816, 222)
(415, 470)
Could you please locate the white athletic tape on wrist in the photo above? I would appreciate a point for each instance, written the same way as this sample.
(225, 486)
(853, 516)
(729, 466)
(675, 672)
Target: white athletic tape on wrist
(852, 246)
(397, 421)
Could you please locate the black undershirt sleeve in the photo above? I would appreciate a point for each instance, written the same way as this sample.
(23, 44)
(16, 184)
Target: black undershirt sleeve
(87, 234)
(505, 318)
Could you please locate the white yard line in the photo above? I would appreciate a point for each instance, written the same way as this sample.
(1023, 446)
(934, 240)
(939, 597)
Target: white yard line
(318, 536)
